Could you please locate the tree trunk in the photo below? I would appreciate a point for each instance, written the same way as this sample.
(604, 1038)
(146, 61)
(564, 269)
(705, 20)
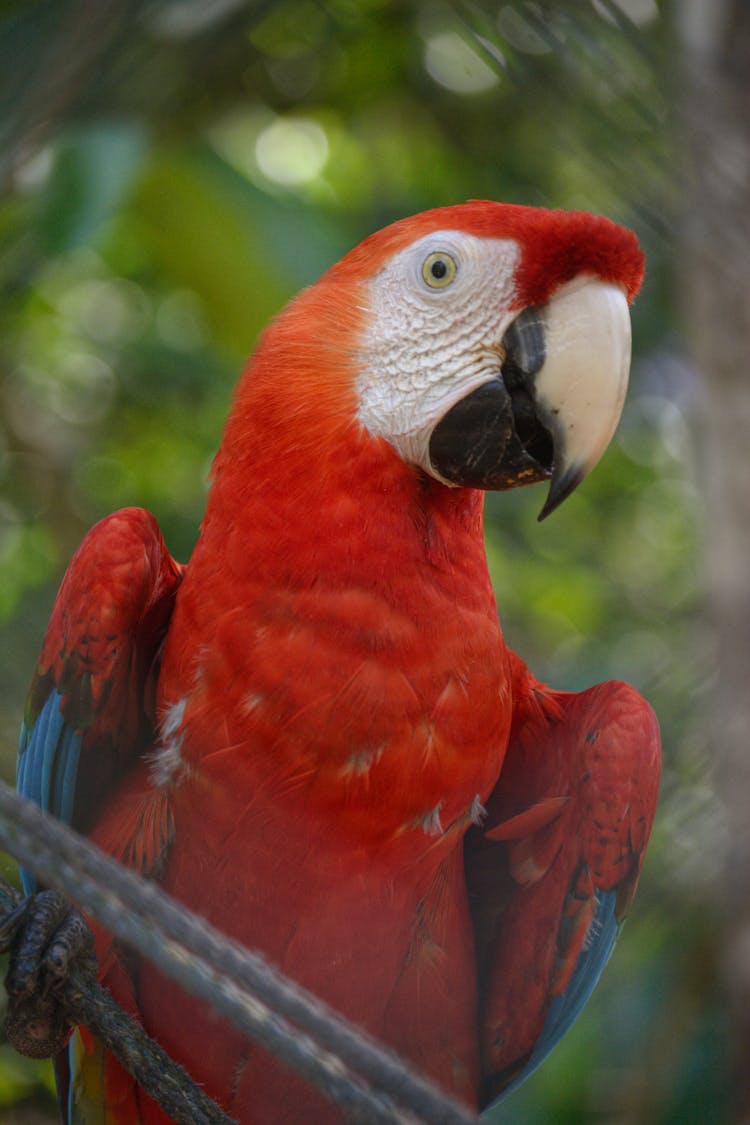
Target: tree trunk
(716, 301)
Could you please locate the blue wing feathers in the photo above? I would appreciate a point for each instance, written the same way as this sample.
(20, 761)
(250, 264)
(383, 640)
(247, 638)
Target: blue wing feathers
(48, 747)
(22, 760)
(66, 774)
(48, 754)
(565, 1009)
(31, 759)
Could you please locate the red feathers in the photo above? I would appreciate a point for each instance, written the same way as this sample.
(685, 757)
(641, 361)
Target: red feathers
(556, 245)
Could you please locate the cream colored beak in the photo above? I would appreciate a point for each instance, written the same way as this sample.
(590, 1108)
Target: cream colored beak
(580, 388)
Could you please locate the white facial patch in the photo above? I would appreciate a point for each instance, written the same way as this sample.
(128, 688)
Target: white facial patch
(429, 345)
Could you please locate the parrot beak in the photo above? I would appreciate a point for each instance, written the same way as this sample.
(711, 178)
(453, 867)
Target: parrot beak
(580, 389)
(556, 403)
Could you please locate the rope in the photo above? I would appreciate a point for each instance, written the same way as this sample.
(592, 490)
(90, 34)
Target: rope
(84, 1001)
(240, 985)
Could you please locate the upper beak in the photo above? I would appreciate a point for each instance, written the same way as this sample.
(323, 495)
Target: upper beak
(580, 388)
(555, 405)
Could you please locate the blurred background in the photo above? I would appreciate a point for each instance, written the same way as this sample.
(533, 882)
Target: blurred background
(171, 172)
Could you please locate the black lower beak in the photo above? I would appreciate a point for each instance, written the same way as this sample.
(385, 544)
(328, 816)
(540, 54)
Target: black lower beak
(493, 438)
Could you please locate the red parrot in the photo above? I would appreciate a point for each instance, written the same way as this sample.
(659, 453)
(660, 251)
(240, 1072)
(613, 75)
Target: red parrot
(314, 734)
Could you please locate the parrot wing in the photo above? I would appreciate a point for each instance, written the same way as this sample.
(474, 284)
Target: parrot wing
(90, 709)
(552, 872)
(90, 713)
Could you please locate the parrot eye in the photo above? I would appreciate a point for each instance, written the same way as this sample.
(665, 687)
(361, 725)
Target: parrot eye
(439, 269)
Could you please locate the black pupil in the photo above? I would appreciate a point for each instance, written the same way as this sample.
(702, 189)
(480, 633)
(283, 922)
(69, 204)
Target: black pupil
(438, 269)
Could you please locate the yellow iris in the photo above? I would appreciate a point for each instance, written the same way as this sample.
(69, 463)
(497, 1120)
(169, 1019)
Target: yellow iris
(438, 269)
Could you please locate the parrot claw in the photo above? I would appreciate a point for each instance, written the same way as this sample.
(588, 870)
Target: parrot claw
(47, 939)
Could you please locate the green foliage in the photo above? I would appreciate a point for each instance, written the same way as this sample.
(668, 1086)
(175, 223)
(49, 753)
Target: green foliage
(188, 169)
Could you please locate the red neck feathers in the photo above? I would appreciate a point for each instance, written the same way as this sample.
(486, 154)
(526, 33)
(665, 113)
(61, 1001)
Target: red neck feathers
(302, 493)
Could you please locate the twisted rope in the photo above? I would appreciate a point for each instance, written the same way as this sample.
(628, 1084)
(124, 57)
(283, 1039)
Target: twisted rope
(370, 1083)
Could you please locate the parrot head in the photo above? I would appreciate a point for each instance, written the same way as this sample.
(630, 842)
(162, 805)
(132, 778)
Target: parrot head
(486, 344)
(497, 346)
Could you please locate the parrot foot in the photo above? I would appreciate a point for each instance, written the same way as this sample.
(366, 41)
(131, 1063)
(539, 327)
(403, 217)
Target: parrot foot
(47, 939)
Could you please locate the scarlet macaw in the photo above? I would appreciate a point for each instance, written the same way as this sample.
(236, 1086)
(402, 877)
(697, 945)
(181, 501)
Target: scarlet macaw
(314, 734)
